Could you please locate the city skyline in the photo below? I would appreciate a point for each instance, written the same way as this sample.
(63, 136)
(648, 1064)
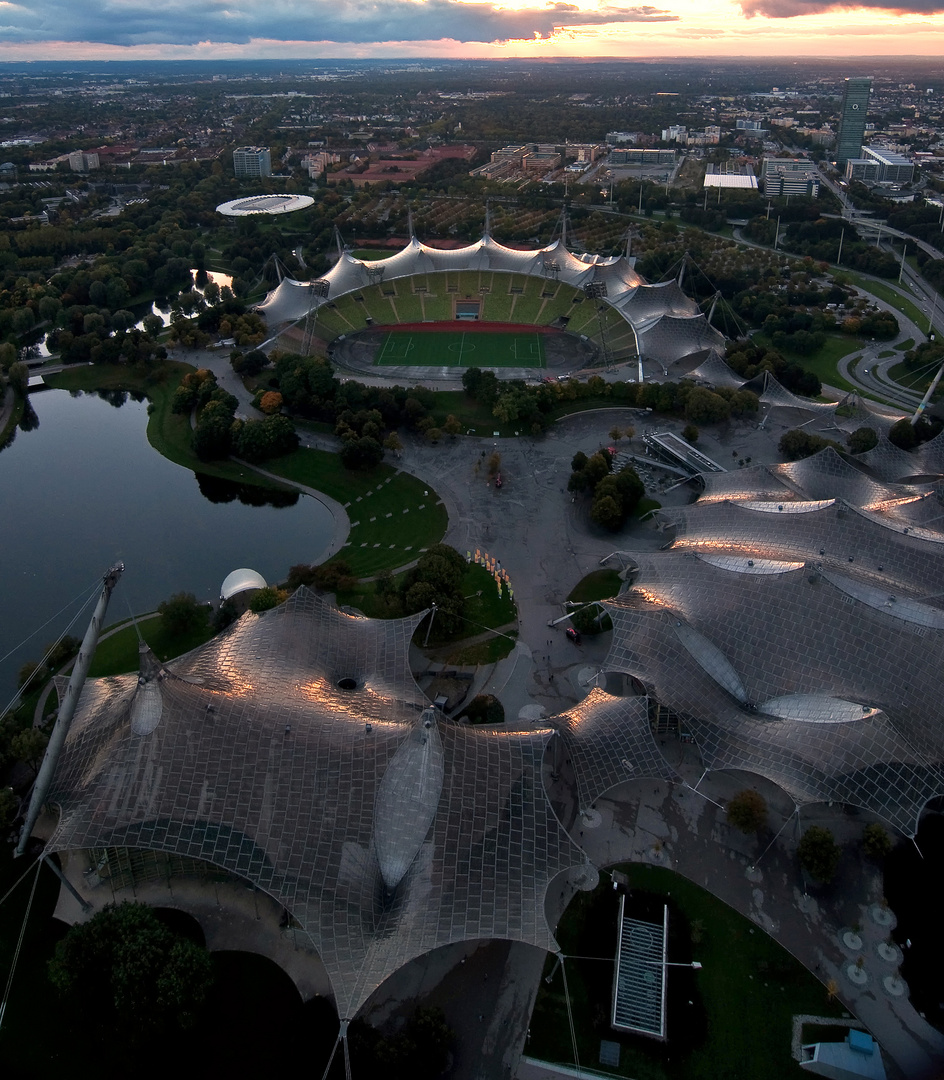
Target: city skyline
(445, 29)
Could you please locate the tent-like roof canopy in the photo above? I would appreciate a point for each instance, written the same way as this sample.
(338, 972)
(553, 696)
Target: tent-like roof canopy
(667, 323)
(297, 752)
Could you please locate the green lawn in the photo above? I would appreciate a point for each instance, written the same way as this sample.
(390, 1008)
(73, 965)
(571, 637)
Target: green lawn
(118, 654)
(597, 585)
(457, 349)
(731, 1019)
(824, 361)
(904, 346)
(394, 516)
(483, 610)
(907, 378)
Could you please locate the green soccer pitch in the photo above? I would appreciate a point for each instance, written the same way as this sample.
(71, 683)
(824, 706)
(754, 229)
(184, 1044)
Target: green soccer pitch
(451, 348)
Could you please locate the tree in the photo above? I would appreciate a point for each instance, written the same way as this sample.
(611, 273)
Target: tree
(796, 444)
(903, 434)
(494, 463)
(267, 598)
(706, 407)
(690, 433)
(392, 443)
(607, 512)
(452, 427)
(181, 614)
(747, 811)
(9, 804)
(819, 853)
(876, 842)
(862, 440)
(364, 454)
(29, 746)
(126, 974)
(271, 402)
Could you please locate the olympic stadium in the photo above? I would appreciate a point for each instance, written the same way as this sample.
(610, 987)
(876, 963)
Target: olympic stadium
(585, 310)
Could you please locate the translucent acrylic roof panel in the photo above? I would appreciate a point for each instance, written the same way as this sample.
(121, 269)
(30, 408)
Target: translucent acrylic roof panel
(289, 300)
(712, 369)
(610, 740)
(775, 394)
(349, 274)
(652, 301)
(711, 659)
(471, 257)
(828, 475)
(263, 763)
(890, 462)
(831, 534)
(672, 337)
(931, 455)
(756, 482)
(791, 638)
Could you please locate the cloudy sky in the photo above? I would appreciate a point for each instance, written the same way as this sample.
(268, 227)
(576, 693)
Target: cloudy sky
(185, 29)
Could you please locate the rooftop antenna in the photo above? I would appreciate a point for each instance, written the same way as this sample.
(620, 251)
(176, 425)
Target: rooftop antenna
(67, 708)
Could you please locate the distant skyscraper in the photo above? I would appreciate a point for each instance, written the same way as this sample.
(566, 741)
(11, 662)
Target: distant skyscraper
(253, 161)
(855, 108)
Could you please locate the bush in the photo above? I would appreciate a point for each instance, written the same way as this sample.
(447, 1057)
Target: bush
(485, 709)
(126, 975)
(876, 842)
(862, 440)
(747, 811)
(181, 613)
(267, 598)
(819, 853)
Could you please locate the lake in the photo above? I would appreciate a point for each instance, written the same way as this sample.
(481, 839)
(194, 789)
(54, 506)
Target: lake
(86, 489)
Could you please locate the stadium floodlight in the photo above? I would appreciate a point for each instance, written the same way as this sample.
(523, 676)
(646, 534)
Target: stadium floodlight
(319, 287)
(375, 274)
(595, 290)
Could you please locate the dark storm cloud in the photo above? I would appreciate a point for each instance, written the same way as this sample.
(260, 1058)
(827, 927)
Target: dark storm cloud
(788, 9)
(174, 22)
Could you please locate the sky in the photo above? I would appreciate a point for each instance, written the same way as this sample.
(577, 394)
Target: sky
(255, 29)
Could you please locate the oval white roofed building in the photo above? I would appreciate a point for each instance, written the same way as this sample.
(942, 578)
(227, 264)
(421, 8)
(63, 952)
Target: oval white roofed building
(264, 204)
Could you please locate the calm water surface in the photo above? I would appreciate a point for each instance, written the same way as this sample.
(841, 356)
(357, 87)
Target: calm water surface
(86, 489)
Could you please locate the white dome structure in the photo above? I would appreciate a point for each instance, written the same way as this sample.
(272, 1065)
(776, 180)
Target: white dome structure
(240, 581)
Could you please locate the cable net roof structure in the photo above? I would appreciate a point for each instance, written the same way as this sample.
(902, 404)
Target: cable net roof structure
(798, 640)
(296, 751)
(673, 323)
(610, 740)
(711, 368)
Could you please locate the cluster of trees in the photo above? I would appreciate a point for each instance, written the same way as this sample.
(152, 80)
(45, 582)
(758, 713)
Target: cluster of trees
(218, 433)
(752, 360)
(804, 231)
(614, 495)
(797, 444)
(436, 577)
(125, 972)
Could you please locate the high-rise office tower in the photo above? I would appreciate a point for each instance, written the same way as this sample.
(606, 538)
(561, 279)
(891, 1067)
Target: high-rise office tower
(855, 108)
(254, 161)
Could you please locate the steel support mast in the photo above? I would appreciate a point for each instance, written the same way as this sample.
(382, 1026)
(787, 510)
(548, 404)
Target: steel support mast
(67, 709)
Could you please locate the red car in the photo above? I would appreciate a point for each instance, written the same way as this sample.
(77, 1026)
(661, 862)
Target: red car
(573, 635)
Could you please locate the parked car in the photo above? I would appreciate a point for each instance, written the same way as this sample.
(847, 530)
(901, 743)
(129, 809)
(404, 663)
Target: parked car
(573, 635)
